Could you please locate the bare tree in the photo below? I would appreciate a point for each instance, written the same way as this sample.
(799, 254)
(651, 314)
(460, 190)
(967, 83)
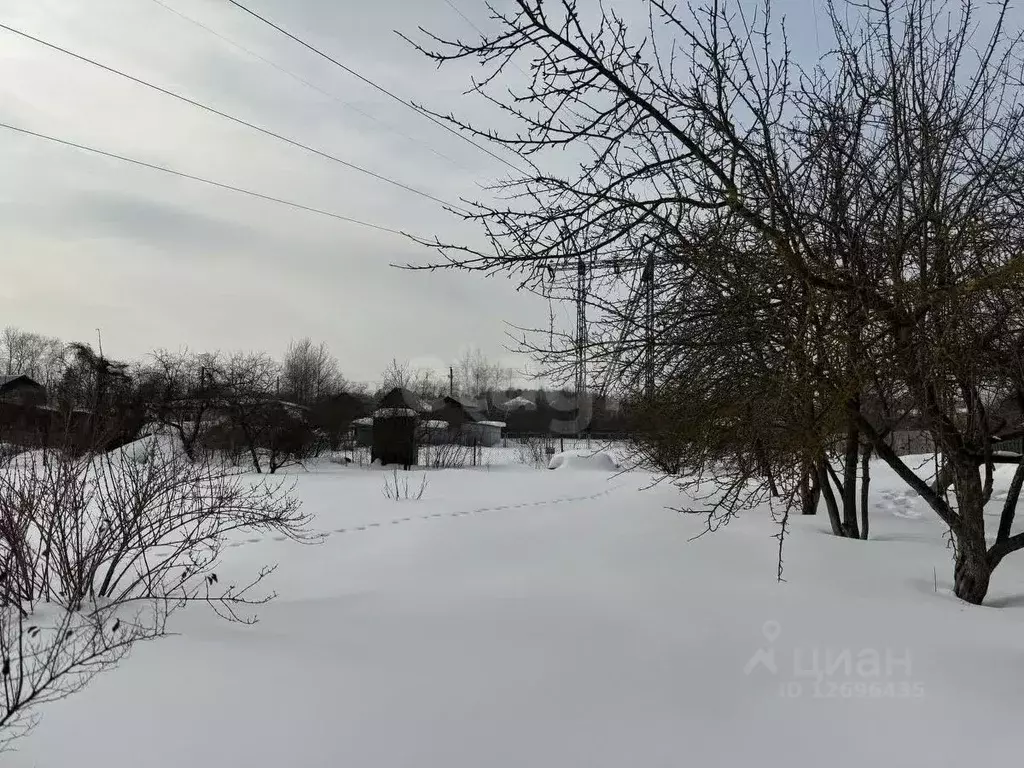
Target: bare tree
(396, 376)
(245, 383)
(187, 400)
(874, 199)
(31, 354)
(309, 373)
(423, 383)
(476, 374)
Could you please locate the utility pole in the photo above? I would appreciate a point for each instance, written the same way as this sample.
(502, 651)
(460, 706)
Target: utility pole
(451, 381)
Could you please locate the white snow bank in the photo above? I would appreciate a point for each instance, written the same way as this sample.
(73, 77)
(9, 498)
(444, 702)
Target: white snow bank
(597, 460)
(528, 618)
(140, 451)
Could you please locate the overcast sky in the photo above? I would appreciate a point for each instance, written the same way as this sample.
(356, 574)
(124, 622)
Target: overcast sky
(157, 261)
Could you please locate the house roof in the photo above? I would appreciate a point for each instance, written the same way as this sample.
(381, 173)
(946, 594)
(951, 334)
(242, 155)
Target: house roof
(473, 409)
(390, 413)
(402, 398)
(520, 402)
(10, 381)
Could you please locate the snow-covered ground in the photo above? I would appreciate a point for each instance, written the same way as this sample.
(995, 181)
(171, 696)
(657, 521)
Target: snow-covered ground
(518, 617)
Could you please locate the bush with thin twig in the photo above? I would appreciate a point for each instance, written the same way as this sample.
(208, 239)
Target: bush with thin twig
(398, 488)
(97, 551)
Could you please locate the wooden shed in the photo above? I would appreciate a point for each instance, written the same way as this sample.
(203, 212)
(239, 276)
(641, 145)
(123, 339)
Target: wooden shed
(394, 429)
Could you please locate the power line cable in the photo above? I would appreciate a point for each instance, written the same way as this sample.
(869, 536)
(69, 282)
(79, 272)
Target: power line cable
(451, 4)
(465, 18)
(374, 85)
(303, 81)
(182, 174)
(232, 118)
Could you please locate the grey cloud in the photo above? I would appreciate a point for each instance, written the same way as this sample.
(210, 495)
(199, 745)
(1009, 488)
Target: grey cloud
(149, 221)
(278, 273)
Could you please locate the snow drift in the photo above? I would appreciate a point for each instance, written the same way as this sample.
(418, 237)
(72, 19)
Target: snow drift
(592, 460)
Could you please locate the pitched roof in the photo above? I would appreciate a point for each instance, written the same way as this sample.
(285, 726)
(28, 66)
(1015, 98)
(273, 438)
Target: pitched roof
(7, 381)
(402, 398)
(474, 410)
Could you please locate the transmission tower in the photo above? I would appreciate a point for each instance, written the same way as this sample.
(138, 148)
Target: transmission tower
(582, 341)
(581, 329)
(647, 279)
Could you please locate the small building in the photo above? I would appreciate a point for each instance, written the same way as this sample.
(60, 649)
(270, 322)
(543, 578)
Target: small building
(400, 397)
(394, 437)
(363, 431)
(457, 411)
(484, 433)
(433, 432)
(336, 415)
(21, 390)
(467, 421)
(394, 429)
(24, 418)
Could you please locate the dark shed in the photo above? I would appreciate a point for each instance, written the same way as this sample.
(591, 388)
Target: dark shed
(394, 430)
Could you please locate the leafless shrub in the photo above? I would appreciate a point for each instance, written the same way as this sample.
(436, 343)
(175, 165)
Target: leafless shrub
(56, 652)
(531, 450)
(398, 488)
(448, 455)
(97, 551)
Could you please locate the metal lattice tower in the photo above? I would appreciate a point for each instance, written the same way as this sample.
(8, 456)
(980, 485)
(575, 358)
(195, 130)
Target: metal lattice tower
(581, 341)
(647, 278)
(581, 328)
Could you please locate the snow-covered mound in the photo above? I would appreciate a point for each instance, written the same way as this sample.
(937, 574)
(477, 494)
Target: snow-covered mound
(142, 450)
(582, 459)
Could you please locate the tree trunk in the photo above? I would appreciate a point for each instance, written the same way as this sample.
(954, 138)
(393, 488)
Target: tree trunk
(830, 498)
(865, 482)
(943, 479)
(851, 454)
(972, 572)
(973, 567)
(810, 490)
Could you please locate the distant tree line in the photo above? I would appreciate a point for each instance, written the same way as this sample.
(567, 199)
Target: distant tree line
(265, 412)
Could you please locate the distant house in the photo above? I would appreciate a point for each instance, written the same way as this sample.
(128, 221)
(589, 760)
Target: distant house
(484, 433)
(21, 390)
(364, 431)
(457, 411)
(467, 420)
(447, 420)
(403, 398)
(334, 416)
(24, 417)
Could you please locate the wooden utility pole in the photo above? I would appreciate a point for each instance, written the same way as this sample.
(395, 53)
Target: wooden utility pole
(451, 381)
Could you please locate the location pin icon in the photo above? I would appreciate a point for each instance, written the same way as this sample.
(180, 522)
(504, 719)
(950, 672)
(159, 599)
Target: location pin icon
(771, 631)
